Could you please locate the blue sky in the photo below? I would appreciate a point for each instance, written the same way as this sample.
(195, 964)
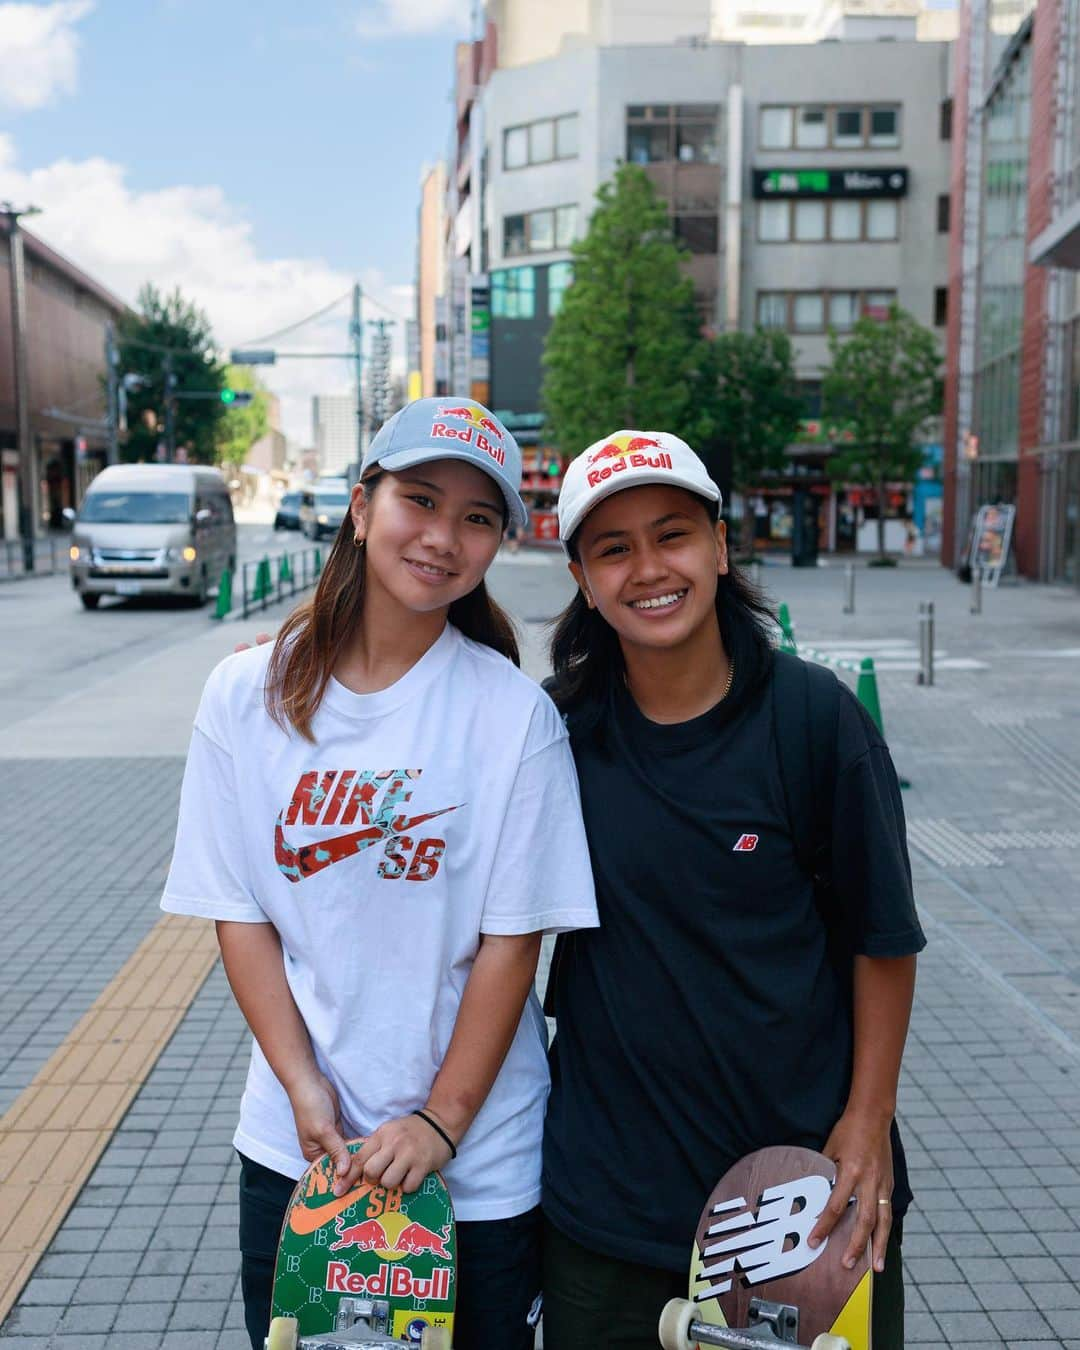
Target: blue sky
(263, 155)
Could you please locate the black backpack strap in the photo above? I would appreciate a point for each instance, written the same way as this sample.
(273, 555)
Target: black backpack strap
(806, 713)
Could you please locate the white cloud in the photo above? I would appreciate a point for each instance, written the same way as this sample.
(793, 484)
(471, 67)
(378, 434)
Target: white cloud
(39, 50)
(191, 237)
(388, 18)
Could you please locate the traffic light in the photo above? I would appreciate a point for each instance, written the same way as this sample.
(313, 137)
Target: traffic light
(236, 398)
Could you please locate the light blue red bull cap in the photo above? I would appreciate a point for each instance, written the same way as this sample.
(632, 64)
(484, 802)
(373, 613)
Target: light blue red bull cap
(629, 459)
(451, 428)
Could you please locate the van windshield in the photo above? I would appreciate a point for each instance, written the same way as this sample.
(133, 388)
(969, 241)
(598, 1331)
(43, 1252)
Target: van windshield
(136, 508)
(332, 498)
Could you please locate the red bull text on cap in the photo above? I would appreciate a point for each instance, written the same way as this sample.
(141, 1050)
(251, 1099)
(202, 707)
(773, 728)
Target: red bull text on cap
(629, 459)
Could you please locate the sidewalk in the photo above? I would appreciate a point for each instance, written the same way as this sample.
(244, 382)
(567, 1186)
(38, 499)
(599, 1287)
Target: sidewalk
(990, 1099)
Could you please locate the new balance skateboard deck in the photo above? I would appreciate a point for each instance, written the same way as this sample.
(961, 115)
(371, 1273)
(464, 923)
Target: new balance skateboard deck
(374, 1267)
(754, 1282)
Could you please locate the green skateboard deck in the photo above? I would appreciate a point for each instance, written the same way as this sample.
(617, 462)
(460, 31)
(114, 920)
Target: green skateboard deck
(374, 1242)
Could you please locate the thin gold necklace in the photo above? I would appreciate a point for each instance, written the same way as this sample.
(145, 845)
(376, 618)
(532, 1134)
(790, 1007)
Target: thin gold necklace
(730, 680)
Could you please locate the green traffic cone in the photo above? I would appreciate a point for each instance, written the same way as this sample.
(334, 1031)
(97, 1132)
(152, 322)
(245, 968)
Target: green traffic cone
(285, 572)
(787, 638)
(224, 595)
(867, 693)
(262, 580)
(318, 563)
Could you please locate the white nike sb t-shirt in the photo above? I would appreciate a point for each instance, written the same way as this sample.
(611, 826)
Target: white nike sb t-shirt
(425, 815)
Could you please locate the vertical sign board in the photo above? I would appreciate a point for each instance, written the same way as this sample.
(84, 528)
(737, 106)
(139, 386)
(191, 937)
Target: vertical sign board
(990, 541)
(480, 339)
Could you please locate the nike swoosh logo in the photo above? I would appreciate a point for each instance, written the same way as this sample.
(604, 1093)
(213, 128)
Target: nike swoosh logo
(309, 859)
(303, 1220)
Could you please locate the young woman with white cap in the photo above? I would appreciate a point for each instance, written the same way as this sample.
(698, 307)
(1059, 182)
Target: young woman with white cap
(718, 1008)
(366, 814)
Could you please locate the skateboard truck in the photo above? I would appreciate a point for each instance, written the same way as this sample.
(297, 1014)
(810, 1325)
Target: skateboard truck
(360, 1324)
(681, 1330)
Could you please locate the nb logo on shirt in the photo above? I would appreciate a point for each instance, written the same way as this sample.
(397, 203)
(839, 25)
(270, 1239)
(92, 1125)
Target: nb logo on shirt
(746, 843)
(371, 798)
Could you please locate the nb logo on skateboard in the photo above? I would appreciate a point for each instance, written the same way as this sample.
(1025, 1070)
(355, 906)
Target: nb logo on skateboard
(754, 1243)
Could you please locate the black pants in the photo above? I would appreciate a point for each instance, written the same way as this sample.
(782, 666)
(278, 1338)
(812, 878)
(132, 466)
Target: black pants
(595, 1302)
(498, 1266)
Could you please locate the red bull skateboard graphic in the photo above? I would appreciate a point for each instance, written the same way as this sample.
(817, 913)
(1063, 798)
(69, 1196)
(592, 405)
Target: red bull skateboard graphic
(374, 1267)
(754, 1281)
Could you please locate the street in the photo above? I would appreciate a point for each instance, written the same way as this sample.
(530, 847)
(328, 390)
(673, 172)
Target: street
(97, 710)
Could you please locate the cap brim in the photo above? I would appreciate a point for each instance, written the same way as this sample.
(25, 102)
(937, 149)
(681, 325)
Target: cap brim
(425, 454)
(641, 478)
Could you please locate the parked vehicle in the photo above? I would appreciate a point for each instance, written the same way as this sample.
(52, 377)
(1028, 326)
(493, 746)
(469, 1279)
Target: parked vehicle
(152, 529)
(288, 512)
(323, 506)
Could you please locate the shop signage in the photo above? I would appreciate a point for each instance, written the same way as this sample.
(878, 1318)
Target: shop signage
(830, 183)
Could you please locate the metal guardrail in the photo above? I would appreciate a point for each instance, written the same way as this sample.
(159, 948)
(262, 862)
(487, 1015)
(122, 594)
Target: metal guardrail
(267, 581)
(50, 557)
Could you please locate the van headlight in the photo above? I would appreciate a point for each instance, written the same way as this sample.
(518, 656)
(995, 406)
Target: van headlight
(75, 553)
(186, 554)
(323, 520)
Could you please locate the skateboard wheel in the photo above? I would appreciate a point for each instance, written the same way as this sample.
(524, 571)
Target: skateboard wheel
(283, 1334)
(826, 1341)
(675, 1324)
(434, 1338)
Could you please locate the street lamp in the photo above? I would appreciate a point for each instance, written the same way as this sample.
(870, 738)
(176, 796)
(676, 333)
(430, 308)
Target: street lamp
(23, 440)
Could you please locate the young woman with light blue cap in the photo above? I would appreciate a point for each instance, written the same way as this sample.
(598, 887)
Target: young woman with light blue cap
(366, 814)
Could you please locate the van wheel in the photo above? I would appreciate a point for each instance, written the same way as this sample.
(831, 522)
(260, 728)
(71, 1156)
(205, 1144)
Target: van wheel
(89, 600)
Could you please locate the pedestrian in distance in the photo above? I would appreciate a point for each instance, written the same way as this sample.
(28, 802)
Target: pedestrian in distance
(751, 980)
(367, 813)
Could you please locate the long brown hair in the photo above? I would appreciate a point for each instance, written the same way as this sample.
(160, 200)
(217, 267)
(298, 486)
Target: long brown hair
(310, 641)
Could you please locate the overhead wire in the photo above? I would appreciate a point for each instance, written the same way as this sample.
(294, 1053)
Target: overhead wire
(282, 332)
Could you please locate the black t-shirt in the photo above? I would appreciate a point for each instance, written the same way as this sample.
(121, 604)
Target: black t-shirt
(704, 1019)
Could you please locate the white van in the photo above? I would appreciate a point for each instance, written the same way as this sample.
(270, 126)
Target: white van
(152, 529)
(323, 505)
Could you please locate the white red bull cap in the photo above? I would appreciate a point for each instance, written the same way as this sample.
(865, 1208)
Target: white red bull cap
(629, 459)
(451, 428)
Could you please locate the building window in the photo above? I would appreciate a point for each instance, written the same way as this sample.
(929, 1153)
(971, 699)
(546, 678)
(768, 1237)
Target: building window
(815, 126)
(559, 277)
(539, 231)
(810, 226)
(818, 311)
(885, 128)
(882, 221)
(540, 142)
(772, 309)
(944, 208)
(837, 221)
(945, 119)
(659, 133)
(697, 233)
(941, 306)
(513, 293)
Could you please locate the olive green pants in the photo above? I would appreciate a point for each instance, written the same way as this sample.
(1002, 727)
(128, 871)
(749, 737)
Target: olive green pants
(595, 1302)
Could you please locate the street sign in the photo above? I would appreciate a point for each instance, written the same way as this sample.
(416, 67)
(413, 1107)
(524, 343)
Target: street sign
(255, 357)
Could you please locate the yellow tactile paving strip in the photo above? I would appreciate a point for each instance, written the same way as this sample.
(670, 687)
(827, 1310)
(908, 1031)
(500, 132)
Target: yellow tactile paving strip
(67, 1115)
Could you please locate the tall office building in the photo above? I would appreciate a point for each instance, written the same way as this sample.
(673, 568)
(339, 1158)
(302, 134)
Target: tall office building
(334, 433)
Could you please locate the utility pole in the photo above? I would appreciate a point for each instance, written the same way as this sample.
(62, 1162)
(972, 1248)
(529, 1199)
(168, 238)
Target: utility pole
(112, 394)
(28, 487)
(379, 374)
(356, 332)
(170, 409)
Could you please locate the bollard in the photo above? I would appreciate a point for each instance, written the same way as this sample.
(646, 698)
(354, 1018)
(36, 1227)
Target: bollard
(926, 643)
(866, 691)
(976, 590)
(318, 564)
(849, 589)
(787, 633)
(224, 595)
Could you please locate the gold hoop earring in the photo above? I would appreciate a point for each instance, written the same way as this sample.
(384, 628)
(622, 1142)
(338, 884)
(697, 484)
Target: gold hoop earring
(358, 541)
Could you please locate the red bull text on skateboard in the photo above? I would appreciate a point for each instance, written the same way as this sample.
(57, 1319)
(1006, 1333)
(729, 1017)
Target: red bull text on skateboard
(623, 452)
(374, 1242)
(480, 430)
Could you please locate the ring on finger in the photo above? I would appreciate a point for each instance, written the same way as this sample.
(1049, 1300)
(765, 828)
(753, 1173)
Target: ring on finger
(885, 1202)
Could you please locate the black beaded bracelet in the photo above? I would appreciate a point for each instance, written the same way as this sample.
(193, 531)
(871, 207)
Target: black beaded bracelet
(439, 1131)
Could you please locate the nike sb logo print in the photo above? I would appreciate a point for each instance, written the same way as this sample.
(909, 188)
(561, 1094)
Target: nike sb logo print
(746, 843)
(372, 799)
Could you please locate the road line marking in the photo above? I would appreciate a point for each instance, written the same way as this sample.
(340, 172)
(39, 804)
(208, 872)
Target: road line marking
(62, 1122)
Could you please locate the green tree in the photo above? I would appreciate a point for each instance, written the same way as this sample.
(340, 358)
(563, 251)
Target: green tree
(884, 385)
(170, 327)
(625, 348)
(754, 407)
(240, 428)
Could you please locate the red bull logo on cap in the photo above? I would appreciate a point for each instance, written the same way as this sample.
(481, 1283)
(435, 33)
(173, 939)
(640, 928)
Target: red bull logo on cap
(626, 452)
(481, 429)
